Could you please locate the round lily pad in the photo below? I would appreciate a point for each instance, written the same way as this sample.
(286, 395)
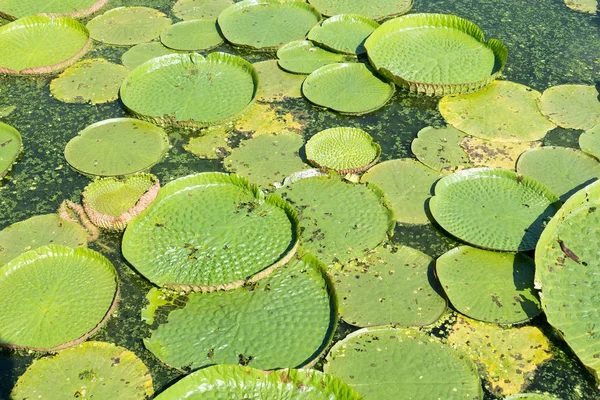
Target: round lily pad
(374, 9)
(216, 88)
(439, 148)
(571, 106)
(392, 286)
(494, 153)
(140, 53)
(303, 57)
(118, 146)
(200, 9)
(238, 234)
(267, 159)
(40, 44)
(514, 115)
(238, 381)
(276, 84)
(589, 141)
(489, 286)
(493, 208)
(37, 231)
(55, 297)
(284, 321)
(197, 34)
(390, 363)
(407, 185)
(126, 26)
(13, 9)
(95, 81)
(435, 54)
(267, 24)
(563, 170)
(11, 145)
(349, 88)
(346, 150)
(90, 370)
(345, 33)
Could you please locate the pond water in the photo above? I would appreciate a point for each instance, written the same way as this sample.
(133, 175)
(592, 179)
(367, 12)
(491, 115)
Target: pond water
(548, 43)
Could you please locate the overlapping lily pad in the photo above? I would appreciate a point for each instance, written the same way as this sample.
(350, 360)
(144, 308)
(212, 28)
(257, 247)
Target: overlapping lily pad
(10, 147)
(239, 234)
(91, 370)
(350, 88)
(493, 208)
(55, 296)
(276, 84)
(571, 106)
(212, 144)
(95, 81)
(118, 146)
(40, 44)
(392, 286)
(216, 88)
(303, 57)
(13, 9)
(390, 363)
(200, 9)
(140, 53)
(268, 119)
(374, 9)
(435, 54)
(283, 321)
(127, 26)
(345, 33)
(589, 141)
(439, 148)
(489, 286)
(193, 35)
(514, 115)
(267, 24)
(495, 153)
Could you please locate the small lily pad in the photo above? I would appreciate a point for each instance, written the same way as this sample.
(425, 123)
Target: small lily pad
(589, 141)
(494, 153)
(140, 53)
(274, 84)
(439, 148)
(345, 33)
(11, 145)
(200, 9)
(13, 9)
(212, 144)
(571, 106)
(303, 57)
(193, 35)
(374, 9)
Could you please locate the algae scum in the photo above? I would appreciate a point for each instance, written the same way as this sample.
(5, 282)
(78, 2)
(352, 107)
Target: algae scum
(321, 205)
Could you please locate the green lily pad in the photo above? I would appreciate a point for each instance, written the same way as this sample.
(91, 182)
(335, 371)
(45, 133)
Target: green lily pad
(118, 146)
(193, 35)
(13, 9)
(489, 286)
(349, 88)
(238, 381)
(514, 115)
(41, 44)
(339, 221)
(589, 141)
(303, 57)
(392, 286)
(567, 272)
(508, 355)
(346, 150)
(439, 148)
(267, 159)
(212, 144)
(390, 363)
(374, 9)
(37, 231)
(276, 84)
(91, 370)
(284, 321)
(111, 203)
(407, 184)
(126, 26)
(95, 81)
(55, 297)
(11, 145)
(239, 234)
(474, 203)
(140, 53)
(435, 54)
(267, 24)
(571, 106)
(345, 33)
(494, 153)
(563, 170)
(200, 9)
(216, 88)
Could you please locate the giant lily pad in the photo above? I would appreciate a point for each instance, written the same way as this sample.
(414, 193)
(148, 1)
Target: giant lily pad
(345, 33)
(571, 106)
(389, 363)
(439, 148)
(200, 9)
(118, 146)
(494, 153)
(267, 24)
(92, 370)
(216, 88)
(374, 9)
(55, 296)
(493, 208)
(10, 147)
(140, 53)
(238, 234)
(193, 35)
(303, 57)
(284, 321)
(246, 382)
(589, 141)
(41, 44)
(504, 111)
(276, 84)
(489, 286)
(349, 88)
(435, 54)
(13, 9)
